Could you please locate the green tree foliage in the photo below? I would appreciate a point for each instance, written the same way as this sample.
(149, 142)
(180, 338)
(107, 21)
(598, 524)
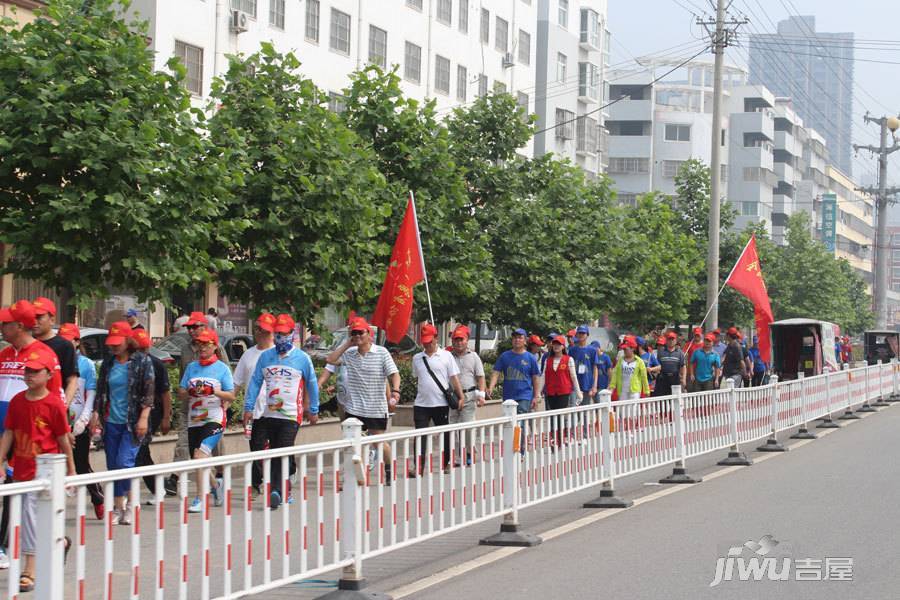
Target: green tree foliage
(412, 151)
(99, 182)
(307, 191)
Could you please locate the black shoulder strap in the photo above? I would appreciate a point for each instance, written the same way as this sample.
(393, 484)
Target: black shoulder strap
(433, 376)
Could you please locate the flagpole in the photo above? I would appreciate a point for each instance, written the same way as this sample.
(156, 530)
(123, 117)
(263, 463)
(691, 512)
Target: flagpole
(412, 199)
(722, 289)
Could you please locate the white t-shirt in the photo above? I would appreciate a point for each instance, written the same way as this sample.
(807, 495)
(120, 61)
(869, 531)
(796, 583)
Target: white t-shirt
(444, 367)
(244, 371)
(628, 369)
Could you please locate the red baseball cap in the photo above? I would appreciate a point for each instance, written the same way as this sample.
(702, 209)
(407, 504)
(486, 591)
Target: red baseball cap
(672, 335)
(717, 331)
(44, 306)
(143, 338)
(118, 333)
(535, 339)
(711, 337)
(427, 333)
(571, 333)
(661, 341)
(69, 331)
(357, 324)
(559, 340)
(284, 323)
(196, 318)
(266, 322)
(732, 331)
(21, 312)
(460, 332)
(37, 361)
(207, 335)
(628, 342)
(698, 331)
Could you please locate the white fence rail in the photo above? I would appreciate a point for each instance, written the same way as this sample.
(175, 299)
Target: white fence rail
(360, 497)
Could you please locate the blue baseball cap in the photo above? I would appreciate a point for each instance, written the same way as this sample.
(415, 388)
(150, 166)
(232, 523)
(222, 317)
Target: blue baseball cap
(131, 312)
(583, 329)
(595, 344)
(640, 341)
(519, 331)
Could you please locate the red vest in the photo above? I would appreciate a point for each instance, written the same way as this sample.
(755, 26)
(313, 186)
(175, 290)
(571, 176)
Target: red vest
(557, 382)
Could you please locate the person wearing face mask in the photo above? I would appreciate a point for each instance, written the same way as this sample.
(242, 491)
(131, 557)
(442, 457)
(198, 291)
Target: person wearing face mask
(286, 375)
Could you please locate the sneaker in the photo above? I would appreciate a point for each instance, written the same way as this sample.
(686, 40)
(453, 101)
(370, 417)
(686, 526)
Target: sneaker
(99, 511)
(274, 500)
(373, 455)
(196, 505)
(171, 485)
(217, 496)
(4, 560)
(125, 518)
(151, 501)
(116, 516)
(290, 499)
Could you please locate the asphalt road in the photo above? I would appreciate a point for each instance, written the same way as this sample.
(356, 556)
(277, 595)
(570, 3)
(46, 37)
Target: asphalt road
(835, 497)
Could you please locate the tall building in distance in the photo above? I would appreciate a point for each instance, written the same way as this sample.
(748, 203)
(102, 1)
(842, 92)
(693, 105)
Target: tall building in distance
(572, 57)
(815, 70)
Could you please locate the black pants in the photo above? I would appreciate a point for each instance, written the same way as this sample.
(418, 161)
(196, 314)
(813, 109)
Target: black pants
(664, 383)
(143, 459)
(758, 378)
(556, 403)
(438, 415)
(277, 433)
(81, 455)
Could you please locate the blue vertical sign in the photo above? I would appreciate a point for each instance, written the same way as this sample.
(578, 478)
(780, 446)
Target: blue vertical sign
(829, 220)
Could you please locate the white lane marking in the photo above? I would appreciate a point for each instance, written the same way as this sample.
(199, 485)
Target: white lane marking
(501, 553)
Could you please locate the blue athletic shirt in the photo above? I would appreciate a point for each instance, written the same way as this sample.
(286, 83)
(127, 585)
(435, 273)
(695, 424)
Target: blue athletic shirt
(118, 392)
(604, 366)
(201, 382)
(704, 363)
(286, 379)
(585, 359)
(517, 369)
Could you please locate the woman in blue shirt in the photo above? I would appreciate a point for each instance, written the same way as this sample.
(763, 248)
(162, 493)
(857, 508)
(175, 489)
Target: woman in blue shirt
(125, 395)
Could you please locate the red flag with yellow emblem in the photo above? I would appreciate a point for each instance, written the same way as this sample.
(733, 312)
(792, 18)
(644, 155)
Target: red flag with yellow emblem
(747, 278)
(405, 270)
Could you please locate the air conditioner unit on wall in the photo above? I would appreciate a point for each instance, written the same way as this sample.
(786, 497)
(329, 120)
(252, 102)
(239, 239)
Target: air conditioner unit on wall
(508, 60)
(239, 21)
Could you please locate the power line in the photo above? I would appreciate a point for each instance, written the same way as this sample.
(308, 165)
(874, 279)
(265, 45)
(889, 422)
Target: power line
(620, 98)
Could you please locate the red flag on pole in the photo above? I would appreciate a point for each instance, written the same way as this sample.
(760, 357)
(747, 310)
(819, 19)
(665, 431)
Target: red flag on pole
(747, 278)
(405, 270)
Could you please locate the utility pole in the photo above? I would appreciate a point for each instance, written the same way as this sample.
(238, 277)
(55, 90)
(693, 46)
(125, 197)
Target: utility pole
(723, 33)
(882, 243)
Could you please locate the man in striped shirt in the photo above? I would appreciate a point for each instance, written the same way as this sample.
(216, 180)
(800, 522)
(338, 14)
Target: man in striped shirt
(367, 367)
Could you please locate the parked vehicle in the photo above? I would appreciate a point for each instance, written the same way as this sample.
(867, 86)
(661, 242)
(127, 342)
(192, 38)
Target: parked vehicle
(407, 345)
(93, 345)
(881, 344)
(489, 335)
(235, 344)
(803, 346)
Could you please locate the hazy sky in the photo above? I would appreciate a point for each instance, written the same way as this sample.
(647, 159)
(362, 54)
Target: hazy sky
(649, 26)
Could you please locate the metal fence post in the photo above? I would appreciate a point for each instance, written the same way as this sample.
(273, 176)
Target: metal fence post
(848, 415)
(827, 422)
(895, 392)
(510, 534)
(880, 401)
(803, 433)
(866, 407)
(735, 457)
(772, 444)
(679, 472)
(50, 513)
(608, 498)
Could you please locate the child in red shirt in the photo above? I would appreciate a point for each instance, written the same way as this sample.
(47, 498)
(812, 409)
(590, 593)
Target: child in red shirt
(36, 424)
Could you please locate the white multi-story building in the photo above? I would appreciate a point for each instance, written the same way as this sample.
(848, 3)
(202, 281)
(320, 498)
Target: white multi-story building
(656, 127)
(787, 157)
(814, 182)
(572, 56)
(449, 50)
(854, 231)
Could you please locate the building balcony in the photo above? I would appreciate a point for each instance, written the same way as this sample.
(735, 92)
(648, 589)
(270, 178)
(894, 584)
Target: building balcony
(630, 145)
(785, 172)
(754, 157)
(753, 122)
(787, 142)
(631, 110)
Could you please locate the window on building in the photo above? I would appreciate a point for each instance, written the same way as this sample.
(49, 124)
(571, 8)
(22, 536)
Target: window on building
(482, 85)
(412, 62)
(377, 46)
(247, 6)
(485, 26)
(723, 173)
(678, 133)
(627, 198)
(462, 82)
(563, 13)
(312, 20)
(628, 164)
(562, 66)
(522, 102)
(501, 34)
(416, 4)
(590, 27)
(670, 167)
(750, 209)
(444, 11)
(340, 32)
(192, 59)
(441, 74)
(276, 13)
(336, 102)
(464, 16)
(524, 47)
(588, 80)
(499, 87)
(565, 124)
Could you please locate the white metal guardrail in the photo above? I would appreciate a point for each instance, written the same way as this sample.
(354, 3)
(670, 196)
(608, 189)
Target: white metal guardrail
(360, 497)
